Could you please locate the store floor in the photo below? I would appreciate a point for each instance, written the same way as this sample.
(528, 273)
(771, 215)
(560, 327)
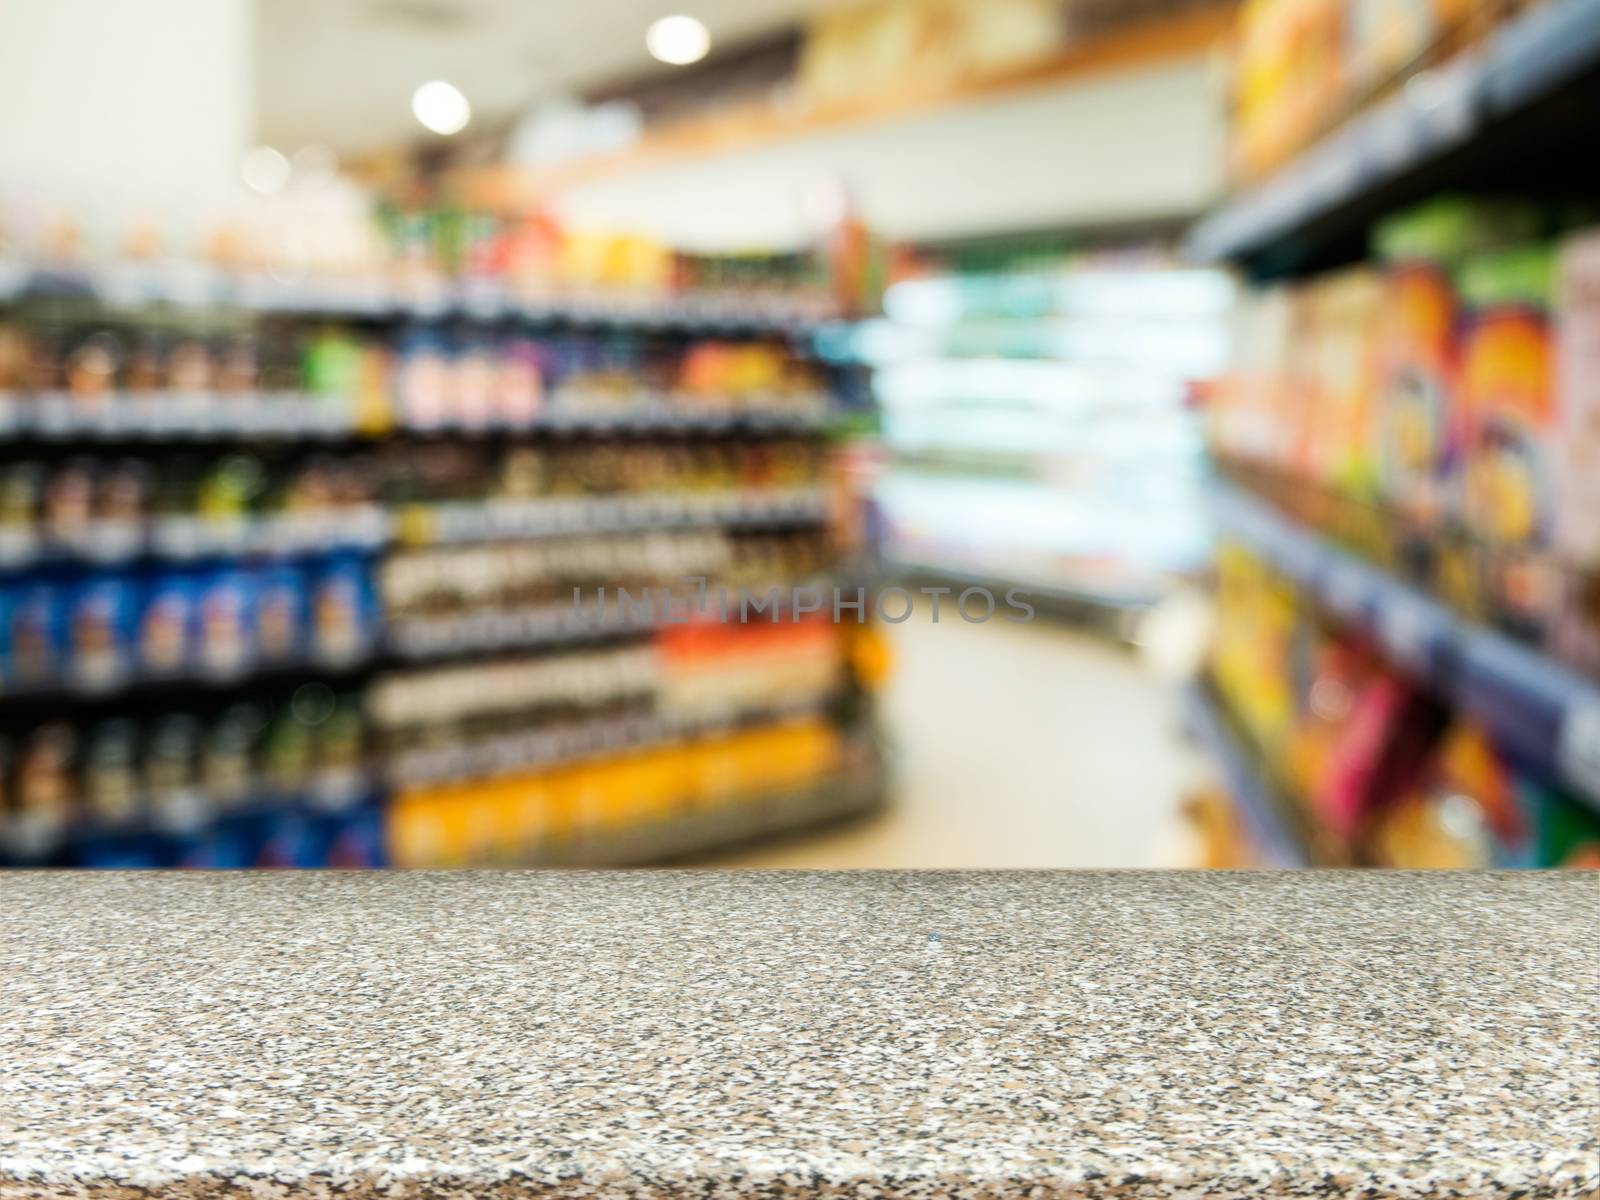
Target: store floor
(1034, 745)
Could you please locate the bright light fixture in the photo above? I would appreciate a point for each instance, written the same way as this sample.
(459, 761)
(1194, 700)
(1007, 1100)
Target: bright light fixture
(678, 40)
(441, 107)
(265, 170)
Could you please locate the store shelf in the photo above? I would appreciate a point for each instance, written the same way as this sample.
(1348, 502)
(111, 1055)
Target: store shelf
(561, 744)
(1254, 796)
(1519, 108)
(26, 842)
(189, 539)
(366, 529)
(198, 690)
(478, 521)
(1545, 714)
(418, 639)
(722, 827)
(174, 417)
(188, 285)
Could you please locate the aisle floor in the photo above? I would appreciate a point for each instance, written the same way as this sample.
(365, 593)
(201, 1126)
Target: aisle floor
(1034, 745)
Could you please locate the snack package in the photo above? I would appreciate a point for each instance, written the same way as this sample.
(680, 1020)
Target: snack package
(281, 614)
(1418, 420)
(1568, 831)
(351, 840)
(1346, 314)
(1464, 812)
(166, 625)
(343, 612)
(1386, 35)
(34, 645)
(45, 786)
(1510, 433)
(225, 641)
(1378, 745)
(1576, 637)
(101, 634)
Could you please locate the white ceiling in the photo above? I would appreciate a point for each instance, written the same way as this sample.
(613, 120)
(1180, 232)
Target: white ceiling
(341, 72)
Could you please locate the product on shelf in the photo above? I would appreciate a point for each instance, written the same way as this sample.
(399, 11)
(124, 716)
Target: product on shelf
(1304, 66)
(1576, 636)
(489, 718)
(1469, 476)
(532, 815)
(284, 782)
(1381, 770)
(106, 374)
(1463, 812)
(481, 597)
(101, 631)
(230, 468)
(1510, 420)
(426, 259)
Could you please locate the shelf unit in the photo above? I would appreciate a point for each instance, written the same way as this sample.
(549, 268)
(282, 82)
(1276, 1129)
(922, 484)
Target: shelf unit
(1260, 805)
(1543, 713)
(1500, 114)
(193, 285)
(1515, 111)
(50, 427)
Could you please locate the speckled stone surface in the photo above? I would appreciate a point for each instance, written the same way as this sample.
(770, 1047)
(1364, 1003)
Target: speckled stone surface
(493, 1035)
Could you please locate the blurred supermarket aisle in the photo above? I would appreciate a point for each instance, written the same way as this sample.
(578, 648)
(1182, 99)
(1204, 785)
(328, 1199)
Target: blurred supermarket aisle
(1016, 746)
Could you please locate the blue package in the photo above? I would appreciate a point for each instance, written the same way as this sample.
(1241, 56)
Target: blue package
(286, 838)
(102, 621)
(225, 643)
(167, 623)
(350, 840)
(281, 610)
(344, 614)
(124, 852)
(220, 846)
(33, 640)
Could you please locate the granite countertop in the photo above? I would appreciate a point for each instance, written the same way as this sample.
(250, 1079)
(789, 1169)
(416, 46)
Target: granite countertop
(491, 1035)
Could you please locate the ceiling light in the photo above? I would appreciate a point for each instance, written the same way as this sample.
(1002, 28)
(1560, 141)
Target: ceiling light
(678, 40)
(264, 170)
(441, 107)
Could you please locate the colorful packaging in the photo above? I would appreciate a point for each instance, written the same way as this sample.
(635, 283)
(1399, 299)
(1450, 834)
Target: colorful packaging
(35, 644)
(167, 622)
(1510, 432)
(281, 614)
(45, 789)
(225, 642)
(343, 612)
(518, 387)
(1419, 422)
(1347, 311)
(101, 634)
(1463, 813)
(422, 380)
(1568, 832)
(1576, 637)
